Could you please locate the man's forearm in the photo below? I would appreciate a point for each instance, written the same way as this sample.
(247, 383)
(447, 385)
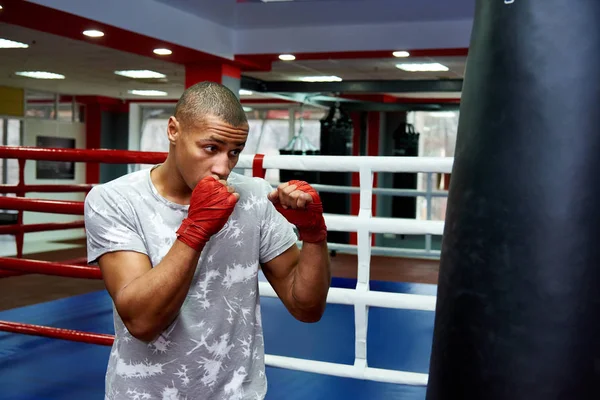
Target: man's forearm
(151, 302)
(311, 281)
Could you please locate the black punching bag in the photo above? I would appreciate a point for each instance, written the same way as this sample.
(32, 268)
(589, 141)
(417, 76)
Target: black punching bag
(518, 312)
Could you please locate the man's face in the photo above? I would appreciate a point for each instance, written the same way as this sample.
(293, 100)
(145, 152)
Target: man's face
(205, 148)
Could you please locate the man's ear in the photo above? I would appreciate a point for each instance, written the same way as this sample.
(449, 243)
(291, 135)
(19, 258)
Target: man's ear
(173, 130)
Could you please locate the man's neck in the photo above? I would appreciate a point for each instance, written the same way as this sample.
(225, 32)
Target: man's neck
(169, 184)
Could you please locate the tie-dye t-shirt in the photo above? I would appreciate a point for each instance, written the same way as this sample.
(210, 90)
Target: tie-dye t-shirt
(214, 349)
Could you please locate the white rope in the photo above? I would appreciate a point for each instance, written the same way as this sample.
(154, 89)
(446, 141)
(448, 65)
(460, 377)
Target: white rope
(371, 298)
(347, 371)
(400, 226)
(352, 163)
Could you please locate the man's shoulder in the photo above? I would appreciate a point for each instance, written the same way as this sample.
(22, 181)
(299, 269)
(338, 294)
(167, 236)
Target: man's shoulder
(119, 188)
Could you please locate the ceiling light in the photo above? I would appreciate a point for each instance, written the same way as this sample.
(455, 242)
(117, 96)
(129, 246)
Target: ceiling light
(244, 92)
(247, 109)
(321, 79)
(148, 92)
(93, 33)
(40, 75)
(140, 74)
(287, 57)
(400, 54)
(163, 52)
(0, 7)
(9, 44)
(427, 67)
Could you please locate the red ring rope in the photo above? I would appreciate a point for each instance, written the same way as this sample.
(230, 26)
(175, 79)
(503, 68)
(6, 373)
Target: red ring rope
(50, 268)
(57, 333)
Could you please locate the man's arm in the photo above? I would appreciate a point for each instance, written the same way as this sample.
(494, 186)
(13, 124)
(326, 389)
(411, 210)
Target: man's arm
(148, 299)
(301, 279)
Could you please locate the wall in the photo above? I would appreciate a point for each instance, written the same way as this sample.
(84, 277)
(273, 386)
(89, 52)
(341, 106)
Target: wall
(39, 127)
(114, 135)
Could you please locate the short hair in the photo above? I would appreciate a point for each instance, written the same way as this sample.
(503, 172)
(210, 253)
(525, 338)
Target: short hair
(209, 98)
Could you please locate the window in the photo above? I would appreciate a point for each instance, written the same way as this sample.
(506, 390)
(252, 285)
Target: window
(10, 135)
(438, 132)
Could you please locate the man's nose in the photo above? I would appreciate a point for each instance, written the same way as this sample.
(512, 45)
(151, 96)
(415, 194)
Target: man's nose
(220, 166)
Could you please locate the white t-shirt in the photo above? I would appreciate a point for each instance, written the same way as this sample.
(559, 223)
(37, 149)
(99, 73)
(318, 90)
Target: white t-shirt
(214, 349)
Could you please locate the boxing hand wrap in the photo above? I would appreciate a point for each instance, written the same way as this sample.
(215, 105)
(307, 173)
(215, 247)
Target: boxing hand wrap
(309, 221)
(210, 207)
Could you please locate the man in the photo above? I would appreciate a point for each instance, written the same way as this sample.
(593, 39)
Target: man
(180, 245)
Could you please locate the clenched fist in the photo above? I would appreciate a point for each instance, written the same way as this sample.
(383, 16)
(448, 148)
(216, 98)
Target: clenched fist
(301, 205)
(211, 204)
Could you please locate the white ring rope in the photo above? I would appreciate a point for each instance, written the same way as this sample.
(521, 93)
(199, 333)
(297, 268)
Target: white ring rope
(365, 225)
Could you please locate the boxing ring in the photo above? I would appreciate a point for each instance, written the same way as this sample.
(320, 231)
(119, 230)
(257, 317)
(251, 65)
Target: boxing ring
(384, 311)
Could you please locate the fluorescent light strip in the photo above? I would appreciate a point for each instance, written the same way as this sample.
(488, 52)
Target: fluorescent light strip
(147, 92)
(244, 92)
(141, 74)
(321, 79)
(427, 67)
(40, 75)
(10, 44)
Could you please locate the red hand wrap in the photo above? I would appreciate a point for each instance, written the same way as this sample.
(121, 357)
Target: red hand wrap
(309, 221)
(210, 207)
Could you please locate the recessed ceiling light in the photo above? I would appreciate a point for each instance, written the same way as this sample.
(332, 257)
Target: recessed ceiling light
(40, 75)
(163, 52)
(10, 44)
(400, 54)
(287, 57)
(148, 92)
(321, 79)
(0, 7)
(244, 92)
(141, 74)
(427, 67)
(93, 33)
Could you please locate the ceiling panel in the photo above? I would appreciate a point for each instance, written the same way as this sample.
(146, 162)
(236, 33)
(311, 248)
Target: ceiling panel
(89, 68)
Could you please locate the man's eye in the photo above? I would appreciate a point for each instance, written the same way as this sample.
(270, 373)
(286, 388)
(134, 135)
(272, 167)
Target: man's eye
(211, 149)
(236, 152)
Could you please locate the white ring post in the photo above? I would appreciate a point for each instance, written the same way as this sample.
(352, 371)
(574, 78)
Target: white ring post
(361, 309)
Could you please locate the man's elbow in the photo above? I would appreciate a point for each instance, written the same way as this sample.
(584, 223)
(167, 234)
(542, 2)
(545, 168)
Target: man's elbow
(141, 331)
(310, 316)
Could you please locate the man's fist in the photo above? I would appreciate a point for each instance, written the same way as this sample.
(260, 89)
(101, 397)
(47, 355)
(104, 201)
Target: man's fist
(301, 205)
(211, 204)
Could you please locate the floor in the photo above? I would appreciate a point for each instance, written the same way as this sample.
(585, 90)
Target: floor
(40, 368)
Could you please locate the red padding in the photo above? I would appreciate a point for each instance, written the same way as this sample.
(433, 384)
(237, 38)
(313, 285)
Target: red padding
(257, 166)
(48, 206)
(50, 268)
(57, 333)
